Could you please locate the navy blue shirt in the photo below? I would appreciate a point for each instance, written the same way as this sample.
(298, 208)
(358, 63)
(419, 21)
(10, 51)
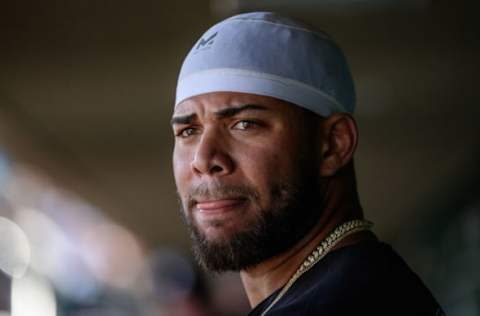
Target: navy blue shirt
(367, 278)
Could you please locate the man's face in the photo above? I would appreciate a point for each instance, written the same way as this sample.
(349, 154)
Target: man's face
(246, 172)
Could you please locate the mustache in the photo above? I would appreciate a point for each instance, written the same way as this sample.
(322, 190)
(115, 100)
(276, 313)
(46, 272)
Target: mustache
(218, 191)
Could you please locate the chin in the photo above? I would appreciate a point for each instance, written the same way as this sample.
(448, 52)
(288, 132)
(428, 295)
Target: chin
(218, 233)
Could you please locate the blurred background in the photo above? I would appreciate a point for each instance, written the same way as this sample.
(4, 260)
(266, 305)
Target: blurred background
(88, 213)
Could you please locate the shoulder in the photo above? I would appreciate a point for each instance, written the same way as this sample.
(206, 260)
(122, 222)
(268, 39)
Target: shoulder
(368, 277)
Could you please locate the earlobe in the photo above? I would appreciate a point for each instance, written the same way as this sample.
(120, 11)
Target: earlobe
(339, 141)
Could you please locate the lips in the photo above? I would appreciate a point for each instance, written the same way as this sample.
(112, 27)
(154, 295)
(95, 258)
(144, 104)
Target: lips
(221, 205)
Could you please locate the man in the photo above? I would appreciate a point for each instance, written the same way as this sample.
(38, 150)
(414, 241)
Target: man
(264, 142)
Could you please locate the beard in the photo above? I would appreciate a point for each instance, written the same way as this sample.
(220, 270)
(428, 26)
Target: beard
(295, 208)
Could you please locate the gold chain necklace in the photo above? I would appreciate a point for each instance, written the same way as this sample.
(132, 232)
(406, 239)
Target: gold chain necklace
(325, 246)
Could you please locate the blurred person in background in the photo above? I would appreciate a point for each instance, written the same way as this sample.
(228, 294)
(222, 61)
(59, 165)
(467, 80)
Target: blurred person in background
(179, 289)
(263, 163)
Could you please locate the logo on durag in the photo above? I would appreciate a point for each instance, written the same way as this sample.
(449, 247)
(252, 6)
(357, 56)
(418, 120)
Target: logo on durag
(205, 43)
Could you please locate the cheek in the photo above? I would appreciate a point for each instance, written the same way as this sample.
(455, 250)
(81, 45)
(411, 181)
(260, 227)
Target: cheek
(181, 169)
(264, 167)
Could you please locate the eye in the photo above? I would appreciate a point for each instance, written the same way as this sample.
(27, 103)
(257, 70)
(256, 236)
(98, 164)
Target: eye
(186, 132)
(245, 124)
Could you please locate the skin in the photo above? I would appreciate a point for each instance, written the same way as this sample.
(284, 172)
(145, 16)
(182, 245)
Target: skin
(227, 138)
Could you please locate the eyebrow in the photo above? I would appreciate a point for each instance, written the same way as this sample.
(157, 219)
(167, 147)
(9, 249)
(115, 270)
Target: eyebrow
(183, 119)
(224, 113)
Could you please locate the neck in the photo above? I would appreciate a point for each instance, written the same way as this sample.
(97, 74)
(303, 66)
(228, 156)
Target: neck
(264, 279)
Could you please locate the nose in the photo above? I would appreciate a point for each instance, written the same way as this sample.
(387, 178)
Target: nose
(212, 156)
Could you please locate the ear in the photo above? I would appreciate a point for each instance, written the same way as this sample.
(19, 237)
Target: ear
(339, 136)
